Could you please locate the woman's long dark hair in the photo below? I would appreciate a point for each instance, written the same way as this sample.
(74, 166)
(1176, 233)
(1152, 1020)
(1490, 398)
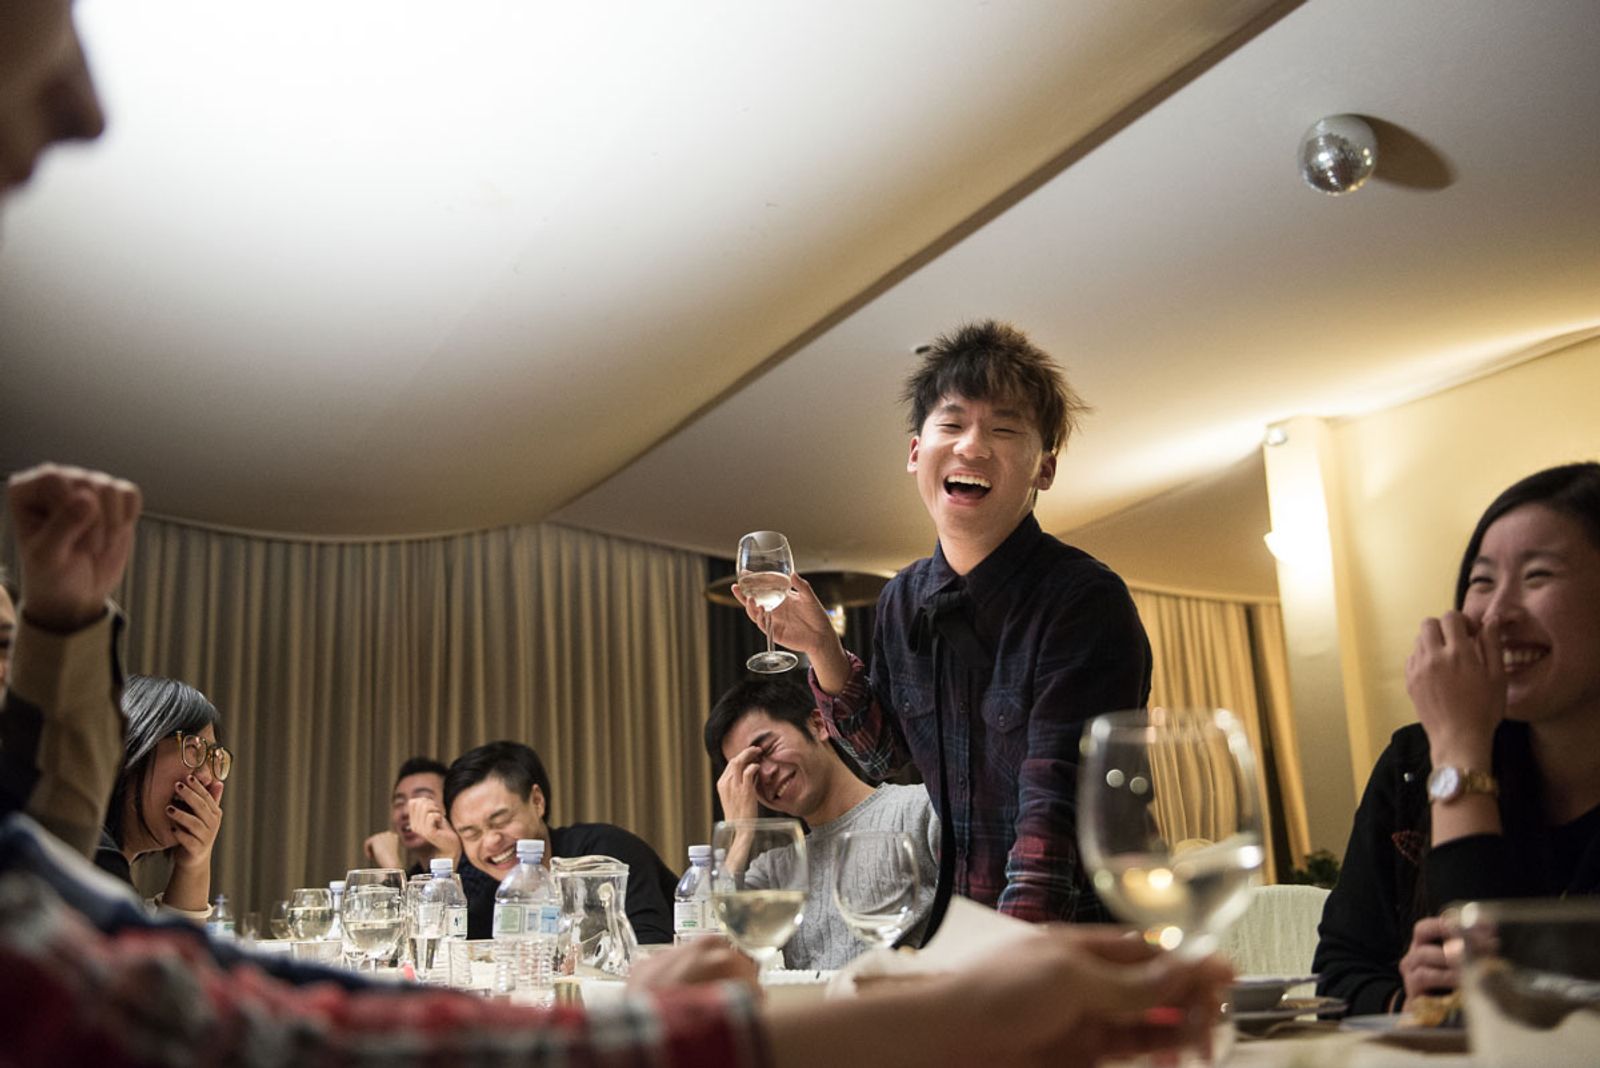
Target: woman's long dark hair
(1571, 489)
(155, 709)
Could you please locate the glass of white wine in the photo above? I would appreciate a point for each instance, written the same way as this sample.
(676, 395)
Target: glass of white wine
(310, 913)
(875, 885)
(374, 921)
(389, 878)
(1169, 822)
(759, 877)
(765, 566)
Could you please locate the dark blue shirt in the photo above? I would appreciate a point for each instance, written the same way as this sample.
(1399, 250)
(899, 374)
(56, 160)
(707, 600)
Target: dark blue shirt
(1067, 646)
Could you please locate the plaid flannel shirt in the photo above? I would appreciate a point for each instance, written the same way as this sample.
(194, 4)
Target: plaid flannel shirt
(1068, 646)
(86, 977)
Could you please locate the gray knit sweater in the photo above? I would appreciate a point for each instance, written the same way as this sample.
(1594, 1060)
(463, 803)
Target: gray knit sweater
(822, 939)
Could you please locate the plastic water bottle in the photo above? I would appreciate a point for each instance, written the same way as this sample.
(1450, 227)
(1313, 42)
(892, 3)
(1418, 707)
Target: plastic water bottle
(336, 930)
(348, 954)
(526, 912)
(441, 919)
(691, 902)
(221, 922)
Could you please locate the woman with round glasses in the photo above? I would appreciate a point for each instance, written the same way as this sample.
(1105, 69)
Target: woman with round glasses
(167, 797)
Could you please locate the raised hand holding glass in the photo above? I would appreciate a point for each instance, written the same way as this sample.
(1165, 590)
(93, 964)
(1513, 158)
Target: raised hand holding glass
(765, 566)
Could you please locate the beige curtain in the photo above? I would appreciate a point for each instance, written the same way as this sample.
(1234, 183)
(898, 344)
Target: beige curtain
(1230, 654)
(333, 662)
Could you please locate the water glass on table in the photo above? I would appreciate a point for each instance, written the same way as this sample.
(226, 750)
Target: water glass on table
(759, 876)
(308, 914)
(875, 885)
(278, 920)
(374, 900)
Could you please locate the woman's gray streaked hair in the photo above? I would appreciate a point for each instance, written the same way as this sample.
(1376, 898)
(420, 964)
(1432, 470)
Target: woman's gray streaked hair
(155, 709)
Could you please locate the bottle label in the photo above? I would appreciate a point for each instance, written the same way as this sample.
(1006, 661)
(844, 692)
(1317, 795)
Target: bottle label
(509, 920)
(549, 919)
(686, 916)
(456, 927)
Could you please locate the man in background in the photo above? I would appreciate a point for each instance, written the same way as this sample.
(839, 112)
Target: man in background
(500, 792)
(770, 742)
(420, 779)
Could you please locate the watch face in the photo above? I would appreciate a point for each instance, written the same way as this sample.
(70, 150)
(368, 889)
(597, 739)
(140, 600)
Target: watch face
(1444, 783)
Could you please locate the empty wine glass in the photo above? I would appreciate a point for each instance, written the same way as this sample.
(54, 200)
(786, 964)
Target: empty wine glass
(278, 920)
(310, 913)
(374, 921)
(1169, 821)
(875, 885)
(759, 877)
(765, 565)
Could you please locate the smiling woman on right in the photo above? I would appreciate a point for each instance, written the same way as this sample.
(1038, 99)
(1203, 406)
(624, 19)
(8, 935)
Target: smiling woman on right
(1495, 792)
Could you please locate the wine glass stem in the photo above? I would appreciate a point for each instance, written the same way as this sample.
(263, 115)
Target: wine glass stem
(769, 632)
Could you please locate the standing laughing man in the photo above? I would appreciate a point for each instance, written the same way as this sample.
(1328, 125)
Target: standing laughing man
(990, 655)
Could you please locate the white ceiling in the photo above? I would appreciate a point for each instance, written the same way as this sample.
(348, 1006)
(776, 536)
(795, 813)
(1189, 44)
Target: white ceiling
(374, 268)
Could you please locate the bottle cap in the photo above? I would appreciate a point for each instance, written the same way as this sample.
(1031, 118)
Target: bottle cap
(442, 866)
(530, 850)
(699, 852)
(337, 886)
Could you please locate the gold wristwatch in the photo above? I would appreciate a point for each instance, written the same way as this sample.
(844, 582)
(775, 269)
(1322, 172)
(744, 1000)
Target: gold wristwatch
(1448, 782)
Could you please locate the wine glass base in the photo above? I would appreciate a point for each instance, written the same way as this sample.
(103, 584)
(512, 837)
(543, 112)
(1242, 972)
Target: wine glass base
(772, 663)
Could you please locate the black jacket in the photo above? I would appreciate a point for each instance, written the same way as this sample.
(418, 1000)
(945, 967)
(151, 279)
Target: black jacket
(1391, 878)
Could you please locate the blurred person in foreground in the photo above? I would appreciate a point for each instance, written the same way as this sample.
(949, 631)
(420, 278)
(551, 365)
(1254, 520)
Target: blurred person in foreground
(989, 656)
(768, 744)
(8, 625)
(60, 728)
(1495, 792)
(60, 722)
(87, 977)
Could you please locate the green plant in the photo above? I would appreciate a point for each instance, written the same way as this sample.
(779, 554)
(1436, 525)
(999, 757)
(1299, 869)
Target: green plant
(1322, 869)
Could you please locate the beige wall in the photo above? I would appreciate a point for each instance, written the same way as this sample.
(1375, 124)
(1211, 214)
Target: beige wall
(1413, 481)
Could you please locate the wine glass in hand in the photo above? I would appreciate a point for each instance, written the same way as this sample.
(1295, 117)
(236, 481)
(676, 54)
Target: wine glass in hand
(759, 877)
(765, 565)
(1170, 823)
(875, 885)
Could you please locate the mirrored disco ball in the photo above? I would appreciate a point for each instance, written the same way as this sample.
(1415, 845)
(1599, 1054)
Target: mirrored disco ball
(1338, 154)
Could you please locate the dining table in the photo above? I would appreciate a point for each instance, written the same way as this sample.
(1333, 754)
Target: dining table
(1322, 1045)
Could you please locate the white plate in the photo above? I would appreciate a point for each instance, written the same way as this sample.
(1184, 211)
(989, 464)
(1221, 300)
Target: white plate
(1288, 1009)
(1261, 993)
